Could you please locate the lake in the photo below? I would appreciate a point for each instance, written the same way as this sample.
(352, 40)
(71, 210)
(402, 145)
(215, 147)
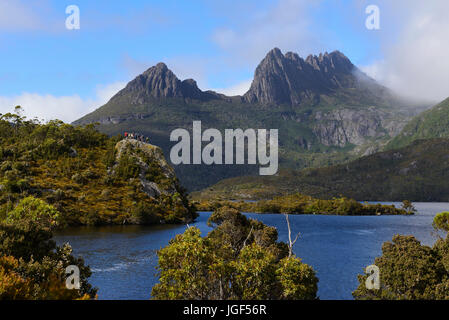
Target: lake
(123, 258)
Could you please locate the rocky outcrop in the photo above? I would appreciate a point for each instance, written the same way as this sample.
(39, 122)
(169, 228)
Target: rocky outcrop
(146, 156)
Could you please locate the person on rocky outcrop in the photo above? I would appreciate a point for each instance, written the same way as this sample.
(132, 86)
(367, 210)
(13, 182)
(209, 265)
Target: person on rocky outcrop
(137, 136)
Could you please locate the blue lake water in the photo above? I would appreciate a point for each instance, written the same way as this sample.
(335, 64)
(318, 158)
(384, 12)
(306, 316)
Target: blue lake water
(123, 258)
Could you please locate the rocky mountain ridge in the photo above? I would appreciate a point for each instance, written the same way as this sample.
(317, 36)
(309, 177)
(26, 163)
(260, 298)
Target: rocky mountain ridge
(289, 79)
(159, 82)
(327, 111)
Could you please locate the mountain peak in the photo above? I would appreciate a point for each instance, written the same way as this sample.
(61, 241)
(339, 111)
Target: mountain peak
(159, 82)
(275, 52)
(159, 68)
(161, 65)
(289, 79)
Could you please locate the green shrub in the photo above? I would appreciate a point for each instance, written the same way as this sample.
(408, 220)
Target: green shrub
(127, 167)
(37, 211)
(145, 213)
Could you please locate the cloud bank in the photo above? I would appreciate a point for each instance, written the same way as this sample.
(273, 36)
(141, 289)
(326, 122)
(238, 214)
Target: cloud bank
(67, 108)
(253, 31)
(236, 90)
(414, 40)
(415, 63)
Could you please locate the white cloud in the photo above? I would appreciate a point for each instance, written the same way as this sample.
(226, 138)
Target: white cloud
(251, 35)
(29, 16)
(374, 70)
(416, 60)
(238, 89)
(66, 108)
(105, 92)
(15, 15)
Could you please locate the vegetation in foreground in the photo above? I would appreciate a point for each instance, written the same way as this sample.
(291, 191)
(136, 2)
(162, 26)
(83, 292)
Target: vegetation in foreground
(301, 204)
(240, 260)
(32, 267)
(85, 176)
(409, 270)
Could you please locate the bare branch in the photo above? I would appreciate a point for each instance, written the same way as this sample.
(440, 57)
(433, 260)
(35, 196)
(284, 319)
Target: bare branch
(296, 239)
(247, 238)
(291, 243)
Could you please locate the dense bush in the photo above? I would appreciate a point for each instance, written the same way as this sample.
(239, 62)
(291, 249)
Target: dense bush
(127, 168)
(145, 214)
(31, 265)
(411, 271)
(239, 259)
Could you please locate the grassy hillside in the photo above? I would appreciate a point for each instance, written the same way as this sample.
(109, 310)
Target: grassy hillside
(418, 172)
(87, 176)
(433, 123)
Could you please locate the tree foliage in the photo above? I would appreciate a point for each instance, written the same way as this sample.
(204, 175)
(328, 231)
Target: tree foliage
(239, 259)
(35, 211)
(31, 265)
(441, 221)
(410, 270)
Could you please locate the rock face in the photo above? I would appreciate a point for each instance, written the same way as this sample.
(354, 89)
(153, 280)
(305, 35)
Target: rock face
(143, 168)
(159, 82)
(289, 79)
(348, 126)
(147, 155)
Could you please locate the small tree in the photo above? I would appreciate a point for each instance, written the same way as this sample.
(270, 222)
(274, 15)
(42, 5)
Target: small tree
(239, 259)
(408, 206)
(441, 222)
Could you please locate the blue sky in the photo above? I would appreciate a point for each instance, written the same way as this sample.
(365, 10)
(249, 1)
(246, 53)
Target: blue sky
(218, 43)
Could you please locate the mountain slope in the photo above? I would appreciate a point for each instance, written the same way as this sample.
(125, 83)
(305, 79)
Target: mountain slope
(433, 123)
(326, 111)
(419, 172)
